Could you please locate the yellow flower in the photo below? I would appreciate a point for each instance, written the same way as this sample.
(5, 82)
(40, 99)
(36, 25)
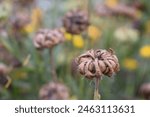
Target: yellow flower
(145, 51)
(94, 32)
(29, 28)
(78, 41)
(130, 63)
(68, 36)
(111, 3)
(36, 18)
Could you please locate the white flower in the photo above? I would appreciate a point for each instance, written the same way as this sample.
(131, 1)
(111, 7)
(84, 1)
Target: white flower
(126, 34)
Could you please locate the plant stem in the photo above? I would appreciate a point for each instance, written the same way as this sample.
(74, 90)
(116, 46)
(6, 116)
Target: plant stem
(53, 69)
(96, 91)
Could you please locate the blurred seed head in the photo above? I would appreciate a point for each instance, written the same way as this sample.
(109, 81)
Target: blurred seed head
(46, 38)
(145, 90)
(119, 9)
(54, 91)
(75, 21)
(20, 20)
(24, 3)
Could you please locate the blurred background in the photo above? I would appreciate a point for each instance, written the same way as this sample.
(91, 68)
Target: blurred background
(123, 25)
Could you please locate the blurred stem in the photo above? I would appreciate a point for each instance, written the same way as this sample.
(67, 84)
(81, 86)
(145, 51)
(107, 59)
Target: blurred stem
(53, 69)
(96, 91)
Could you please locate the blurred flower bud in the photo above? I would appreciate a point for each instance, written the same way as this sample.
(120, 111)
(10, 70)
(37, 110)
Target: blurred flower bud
(54, 91)
(145, 90)
(20, 20)
(76, 21)
(46, 38)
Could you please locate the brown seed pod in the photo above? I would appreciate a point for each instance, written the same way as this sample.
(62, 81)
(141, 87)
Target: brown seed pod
(23, 3)
(145, 90)
(95, 63)
(76, 21)
(119, 9)
(20, 20)
(46, 38)
(54, 91)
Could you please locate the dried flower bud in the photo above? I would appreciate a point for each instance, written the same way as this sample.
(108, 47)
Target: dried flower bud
(76, 21)
(119, 9)
(95, 63)
(145, 90)
(54, 91)
(45, 38)
(20, 20)
(23, 2)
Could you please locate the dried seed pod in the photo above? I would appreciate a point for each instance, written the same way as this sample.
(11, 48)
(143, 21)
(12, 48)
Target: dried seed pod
(54, 91)
(119, 9)
(23, 3)
(103, 10)
(20, 20)
(46, 38)
(95, 63)
(145, 90)
(76, 21)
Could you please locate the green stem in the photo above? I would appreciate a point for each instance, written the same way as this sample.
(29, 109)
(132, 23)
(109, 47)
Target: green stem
(53, 69)
(96, 91)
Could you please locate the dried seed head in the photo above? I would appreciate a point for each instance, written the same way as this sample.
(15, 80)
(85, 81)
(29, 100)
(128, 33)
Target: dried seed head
(46, 38)
(95, 63)
(119, 9)
(54, 91)
(145, 90)
(20, 20)
(76, 21)
(23, 2)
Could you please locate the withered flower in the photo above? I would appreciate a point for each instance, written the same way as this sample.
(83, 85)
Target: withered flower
(54, 91)
(145, 90)
(20, 20)
(46, 38)
(76, 21)
(95, 63)
(119, 9)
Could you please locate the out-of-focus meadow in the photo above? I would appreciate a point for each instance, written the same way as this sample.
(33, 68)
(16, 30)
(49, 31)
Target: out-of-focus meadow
(123, 25)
